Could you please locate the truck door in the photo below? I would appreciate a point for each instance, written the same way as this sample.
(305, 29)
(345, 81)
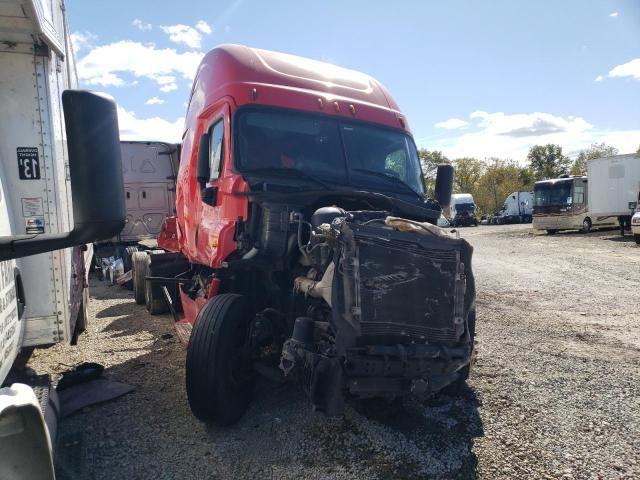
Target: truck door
(218, 206)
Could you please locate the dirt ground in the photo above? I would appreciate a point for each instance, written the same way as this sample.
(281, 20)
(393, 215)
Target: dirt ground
(554, 393)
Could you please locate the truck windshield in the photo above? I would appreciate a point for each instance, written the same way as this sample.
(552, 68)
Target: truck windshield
(465, 207)
(340, 152)
(552, 194)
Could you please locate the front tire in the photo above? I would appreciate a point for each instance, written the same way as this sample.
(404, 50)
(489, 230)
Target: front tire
(138, 272)
(127, 262)
(219, 377)
(153, 295)
(637, 239)
(551, 232)
(586, 226)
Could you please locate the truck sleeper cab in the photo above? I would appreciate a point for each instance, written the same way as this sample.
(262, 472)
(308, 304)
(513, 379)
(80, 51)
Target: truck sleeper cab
(149, 173)
(306, 247)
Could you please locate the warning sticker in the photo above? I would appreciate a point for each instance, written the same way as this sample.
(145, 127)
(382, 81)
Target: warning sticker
(28, 163)
(34, 225)
(32, 207)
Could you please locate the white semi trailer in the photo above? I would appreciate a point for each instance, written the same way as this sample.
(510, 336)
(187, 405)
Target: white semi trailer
(53, 147)
(33, 74)
(614, 183)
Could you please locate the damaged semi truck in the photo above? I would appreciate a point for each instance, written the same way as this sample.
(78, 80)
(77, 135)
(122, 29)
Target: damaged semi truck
(304, 245)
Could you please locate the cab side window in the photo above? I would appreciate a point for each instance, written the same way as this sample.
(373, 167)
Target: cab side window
(216, 148)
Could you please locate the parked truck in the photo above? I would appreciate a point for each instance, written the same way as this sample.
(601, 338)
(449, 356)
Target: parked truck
(462, 210)
(614, 183)
(304, 245)
(149, 173)
(517, 208)
(53, 145)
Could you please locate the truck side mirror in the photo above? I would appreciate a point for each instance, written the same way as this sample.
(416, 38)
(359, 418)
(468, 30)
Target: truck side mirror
(444, 185)
(202, 169)
(209, 195)
(95, 168)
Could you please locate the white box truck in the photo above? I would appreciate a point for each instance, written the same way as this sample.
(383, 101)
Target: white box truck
(614, 183)
(53, 145)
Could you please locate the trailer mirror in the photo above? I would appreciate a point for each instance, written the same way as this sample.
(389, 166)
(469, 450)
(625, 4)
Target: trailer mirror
(95, 169)
(444, 185)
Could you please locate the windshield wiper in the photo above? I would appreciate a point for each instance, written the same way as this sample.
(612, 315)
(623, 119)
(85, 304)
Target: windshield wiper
(393, 178)
(289, 172)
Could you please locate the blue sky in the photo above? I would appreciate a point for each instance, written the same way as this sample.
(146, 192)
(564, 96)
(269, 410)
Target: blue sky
(475, 78)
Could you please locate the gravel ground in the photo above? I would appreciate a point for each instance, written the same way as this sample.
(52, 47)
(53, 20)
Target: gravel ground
(554, 392)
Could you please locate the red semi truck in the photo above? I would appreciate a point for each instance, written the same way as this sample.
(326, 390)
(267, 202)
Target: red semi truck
(304, 244)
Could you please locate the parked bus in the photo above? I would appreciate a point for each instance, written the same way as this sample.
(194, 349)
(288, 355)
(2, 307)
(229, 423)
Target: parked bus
(561, 204)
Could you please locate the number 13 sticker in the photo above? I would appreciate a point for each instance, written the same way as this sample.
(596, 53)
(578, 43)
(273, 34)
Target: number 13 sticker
(28, 163)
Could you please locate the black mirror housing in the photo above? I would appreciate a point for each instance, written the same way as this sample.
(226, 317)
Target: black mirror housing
(95, 167)
(202, 171)
(444, 185)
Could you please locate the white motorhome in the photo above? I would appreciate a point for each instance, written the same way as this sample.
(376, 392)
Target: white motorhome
(52, 146)
(614, 183)
(517, 208)
(462, 210)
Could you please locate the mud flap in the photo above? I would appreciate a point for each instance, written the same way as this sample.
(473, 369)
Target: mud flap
(325, 388)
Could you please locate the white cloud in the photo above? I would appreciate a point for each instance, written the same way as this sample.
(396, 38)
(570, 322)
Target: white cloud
(498, 134)
(452, 124)
(204, 27)
(154, 128)
(169, 87)
(139, 24)
(629, 69)
(105, 64)
(154, 101)
(82, 40)
(186, 35)
(613, 14)
(599, 78)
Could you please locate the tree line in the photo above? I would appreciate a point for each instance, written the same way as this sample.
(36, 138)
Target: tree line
(492, 179)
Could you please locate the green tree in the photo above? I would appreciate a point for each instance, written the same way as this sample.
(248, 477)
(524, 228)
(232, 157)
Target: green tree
(429, 161)
(527, 179)
(547, 161)
(596, 150)
(500, 178)
(467, 173)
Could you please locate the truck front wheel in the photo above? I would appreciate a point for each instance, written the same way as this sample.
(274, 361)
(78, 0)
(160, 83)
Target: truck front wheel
(138, 272)
(637, 239)
(219, 373)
